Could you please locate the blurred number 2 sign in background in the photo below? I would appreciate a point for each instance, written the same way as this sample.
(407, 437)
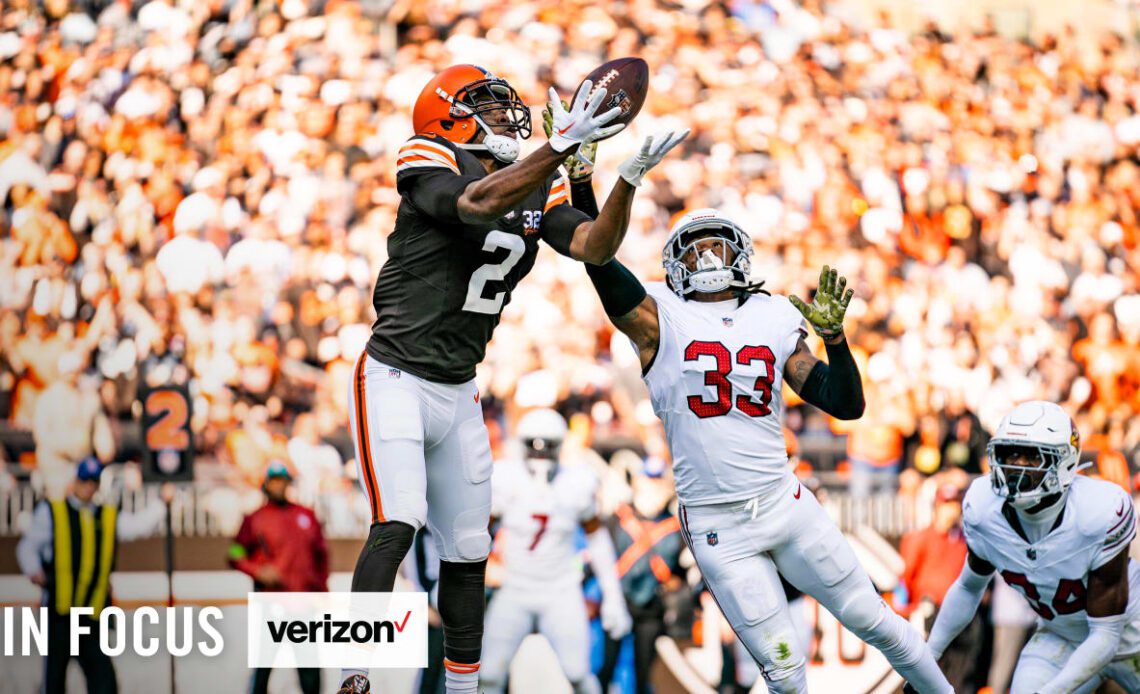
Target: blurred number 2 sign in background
(167, 439)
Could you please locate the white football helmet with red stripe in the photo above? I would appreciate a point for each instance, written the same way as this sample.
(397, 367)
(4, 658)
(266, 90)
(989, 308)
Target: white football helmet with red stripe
(713, 273)
(1034, 431)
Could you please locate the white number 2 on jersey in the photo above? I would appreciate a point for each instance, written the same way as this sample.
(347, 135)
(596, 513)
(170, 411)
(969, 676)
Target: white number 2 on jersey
(493, 272)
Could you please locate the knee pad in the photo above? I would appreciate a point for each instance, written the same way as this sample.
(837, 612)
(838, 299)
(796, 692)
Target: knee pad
(468, 539)
(787, 677)
(461, 604)
(862, 614)
(887, 632)
(380, 558)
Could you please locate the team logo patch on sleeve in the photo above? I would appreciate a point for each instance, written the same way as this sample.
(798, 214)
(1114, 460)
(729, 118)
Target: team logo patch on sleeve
(712, 539)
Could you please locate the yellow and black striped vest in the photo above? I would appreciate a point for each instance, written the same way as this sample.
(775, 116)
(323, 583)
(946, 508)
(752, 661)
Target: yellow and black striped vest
(83, 551)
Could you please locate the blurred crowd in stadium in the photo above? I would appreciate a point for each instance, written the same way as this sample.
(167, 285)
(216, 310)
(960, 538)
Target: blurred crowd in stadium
(201, 192)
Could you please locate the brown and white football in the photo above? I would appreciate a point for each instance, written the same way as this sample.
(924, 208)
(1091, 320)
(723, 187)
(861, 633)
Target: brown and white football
(626, 81)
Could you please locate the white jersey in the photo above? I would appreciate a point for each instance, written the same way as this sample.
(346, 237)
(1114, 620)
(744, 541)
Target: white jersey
(716, 384)
(540, 522)
(1097, 523)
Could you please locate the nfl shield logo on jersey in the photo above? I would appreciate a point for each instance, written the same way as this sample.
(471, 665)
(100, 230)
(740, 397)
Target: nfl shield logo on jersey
(393, 373)
(727, 320)
(712, 539)
(1031, 553)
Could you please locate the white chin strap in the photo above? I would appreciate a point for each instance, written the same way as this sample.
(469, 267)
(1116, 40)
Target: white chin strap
(503, 148)
(710, 276)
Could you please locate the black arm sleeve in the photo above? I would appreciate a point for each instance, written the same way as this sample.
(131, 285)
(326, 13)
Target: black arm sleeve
(558, 225)
(582, 197)
(617, 287)
(835, 387)
(435, 192)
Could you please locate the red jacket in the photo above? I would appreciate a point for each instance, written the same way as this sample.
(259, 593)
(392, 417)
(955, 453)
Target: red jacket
(288, 537)
(933, 560)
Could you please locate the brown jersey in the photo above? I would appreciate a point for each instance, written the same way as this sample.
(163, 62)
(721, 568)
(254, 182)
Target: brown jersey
(440, 294)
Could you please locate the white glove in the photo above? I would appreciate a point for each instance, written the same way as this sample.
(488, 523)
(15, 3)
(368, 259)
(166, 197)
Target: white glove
(653, 150)
(616, 621)
(579, 125)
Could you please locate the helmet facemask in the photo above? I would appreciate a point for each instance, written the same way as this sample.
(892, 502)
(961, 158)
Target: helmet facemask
(714, 271)
(1035, 476)
(482, 98)
(541, 457)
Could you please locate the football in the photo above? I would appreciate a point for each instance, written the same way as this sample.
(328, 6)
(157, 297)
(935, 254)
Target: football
(626, 81)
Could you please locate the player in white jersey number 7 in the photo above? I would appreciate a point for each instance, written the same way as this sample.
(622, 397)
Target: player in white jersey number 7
(541, 505)
(715, 349)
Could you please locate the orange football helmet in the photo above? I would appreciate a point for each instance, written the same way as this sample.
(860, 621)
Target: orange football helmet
(453, 103)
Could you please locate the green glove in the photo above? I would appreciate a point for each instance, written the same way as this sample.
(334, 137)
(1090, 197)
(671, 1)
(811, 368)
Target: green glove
(829, 306)
(579, 165)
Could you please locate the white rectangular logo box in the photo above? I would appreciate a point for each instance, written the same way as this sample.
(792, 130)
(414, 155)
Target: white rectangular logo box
(338, 630)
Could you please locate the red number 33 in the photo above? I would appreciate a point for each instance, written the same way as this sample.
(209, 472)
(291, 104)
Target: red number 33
(718, 378)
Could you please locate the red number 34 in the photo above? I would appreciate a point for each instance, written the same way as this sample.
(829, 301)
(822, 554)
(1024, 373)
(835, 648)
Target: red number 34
(1069, 598)
(718, 378)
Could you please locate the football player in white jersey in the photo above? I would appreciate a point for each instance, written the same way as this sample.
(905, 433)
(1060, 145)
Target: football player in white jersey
(715, 351)
(1062, 540)
(541, 505)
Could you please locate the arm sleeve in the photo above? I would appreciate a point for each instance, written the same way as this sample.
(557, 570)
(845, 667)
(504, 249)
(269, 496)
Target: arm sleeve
(1091, 657)
(558, 225)
(958, 608)
(30, 550)
(582, 197)
(133, 526)
(835, 387)
(617, 287)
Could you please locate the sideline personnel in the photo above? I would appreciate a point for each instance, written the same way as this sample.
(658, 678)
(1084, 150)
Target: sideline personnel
(69, 551)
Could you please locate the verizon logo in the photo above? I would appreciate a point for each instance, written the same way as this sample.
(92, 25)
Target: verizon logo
(337, 630)
(329, 630)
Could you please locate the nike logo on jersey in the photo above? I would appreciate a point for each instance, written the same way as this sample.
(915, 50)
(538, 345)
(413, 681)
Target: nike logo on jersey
(799, 488)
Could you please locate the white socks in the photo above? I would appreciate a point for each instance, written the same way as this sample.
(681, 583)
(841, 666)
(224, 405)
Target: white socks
(461, 678)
